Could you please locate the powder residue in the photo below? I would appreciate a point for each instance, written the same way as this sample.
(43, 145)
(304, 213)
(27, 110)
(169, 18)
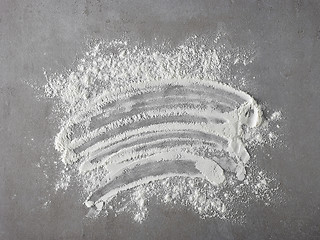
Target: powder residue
(144, 123)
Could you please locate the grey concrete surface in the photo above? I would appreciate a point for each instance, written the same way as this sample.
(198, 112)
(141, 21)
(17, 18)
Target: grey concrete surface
(48, 34)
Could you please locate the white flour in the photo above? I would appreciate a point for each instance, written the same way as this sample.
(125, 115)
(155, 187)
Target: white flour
(144, 123)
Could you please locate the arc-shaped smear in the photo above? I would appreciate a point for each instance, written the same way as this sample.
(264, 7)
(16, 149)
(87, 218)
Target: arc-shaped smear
(152, 140)
(152, 169)
(137, 135)
(140, 124)
(174, 93)
(168, 96)
(122, 112)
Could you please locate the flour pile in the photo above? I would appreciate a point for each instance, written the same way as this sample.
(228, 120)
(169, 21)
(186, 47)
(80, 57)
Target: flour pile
(155, 122)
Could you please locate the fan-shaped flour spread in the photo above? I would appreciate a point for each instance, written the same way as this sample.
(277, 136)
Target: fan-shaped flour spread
(152, 122)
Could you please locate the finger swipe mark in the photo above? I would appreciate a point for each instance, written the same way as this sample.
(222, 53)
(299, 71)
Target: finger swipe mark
(151, 132)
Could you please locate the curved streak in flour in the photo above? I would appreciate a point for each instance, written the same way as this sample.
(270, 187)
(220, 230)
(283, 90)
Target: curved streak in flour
(198, 93)
(190, 135)
(153, 169)
(130, 111)
(140, 124)
(226, 95)
(157, 141)
(126, 175)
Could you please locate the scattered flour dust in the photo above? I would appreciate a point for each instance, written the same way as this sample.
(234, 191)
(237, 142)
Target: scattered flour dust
(162, 124)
